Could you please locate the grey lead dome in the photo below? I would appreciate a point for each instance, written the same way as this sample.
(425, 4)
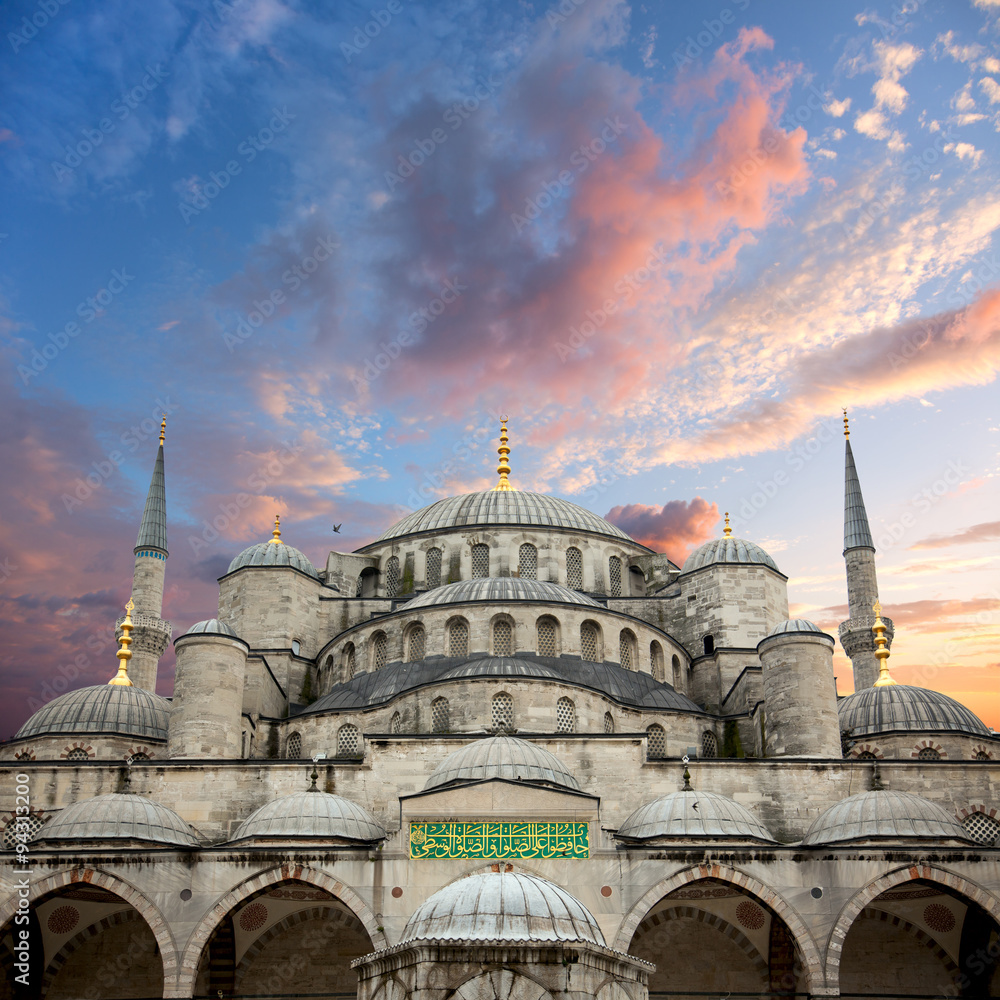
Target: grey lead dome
(119, 816)
(211, 626)
(102, 709)
(502, 757)
(796, 625)
(508, 906)
(271, 554)
(728, 550)
(313, 815)
(904, 708)
(490, 588)
(690, 814)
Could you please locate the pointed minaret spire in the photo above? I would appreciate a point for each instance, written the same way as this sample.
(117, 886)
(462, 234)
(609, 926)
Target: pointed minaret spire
(856, 634)
(503, 469)
(151, 633)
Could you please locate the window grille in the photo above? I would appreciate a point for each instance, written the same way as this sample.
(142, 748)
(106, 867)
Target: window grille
(615, 576)
(26, 755)
(866, 755)
(440, 716)
(709, 745)
(480, 560)
(625, 649)
(433, 568)
(380, 650)
(357, 590)
(78, 754)
(656, 660)
(348, 741)
(503, 638)
(527, 562)
(349, 661)
(565, 716)
(392, 577)
(982, 755)
(928, 753)
(395, 723)
(588, 642)
(503, 712)
(574, 569)
(294, 749)
(983, 829)
(141, 756)
(21, 830)
(609, 722)
(546, 637)
(656, 741)
(416, 643)
(458, 638)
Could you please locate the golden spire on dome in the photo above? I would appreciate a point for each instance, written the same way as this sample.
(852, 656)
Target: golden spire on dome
(276, 534)
(503, 469)
(882, 650)
(727, 531)
(124, 654)
(847, 427)
(163, 429)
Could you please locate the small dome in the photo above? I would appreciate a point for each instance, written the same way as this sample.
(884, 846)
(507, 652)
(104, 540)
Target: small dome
(491, 507)
(736, 551)
(676, 815)
(211, 626)
(102, 709)
(118, 816)
(312, 814)
(884, 813)
(273, 554)
(904, 708)
(499, 589)
(502, 757)
(796, 625)
(507, 906)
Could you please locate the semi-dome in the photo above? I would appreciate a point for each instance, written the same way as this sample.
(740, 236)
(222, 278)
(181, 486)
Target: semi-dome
(314, 815)
(499, 589)
(904, 708)
(502, 906)
(502, 757)
(211, 626)
(119, 816)
(796, 625)
(102, 709)
(513, 507)
(884, 813)
(733, 551)
(690, 814)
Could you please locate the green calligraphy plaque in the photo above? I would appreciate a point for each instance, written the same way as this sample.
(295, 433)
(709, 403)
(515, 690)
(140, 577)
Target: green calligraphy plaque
(499, 840)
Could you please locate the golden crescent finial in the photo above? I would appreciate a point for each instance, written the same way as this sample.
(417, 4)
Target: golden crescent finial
(275, 538)
(163, 428)
(124, 654)
(727, 531)
(847, 428)
(503, 469)
(882, 647)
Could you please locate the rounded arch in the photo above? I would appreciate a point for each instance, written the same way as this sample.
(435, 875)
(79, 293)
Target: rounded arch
(457, 632)
(51, 884)
(548, 636)
(414, 642)
(502, 641)
(812, 962)
(263, 880)
(860, 900)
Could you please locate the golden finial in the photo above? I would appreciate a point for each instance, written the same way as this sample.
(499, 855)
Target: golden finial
(124, 653)
(727, 531)
(504, 467)
(882, 650)
(163, 428)
(847, 429)
(276, 534)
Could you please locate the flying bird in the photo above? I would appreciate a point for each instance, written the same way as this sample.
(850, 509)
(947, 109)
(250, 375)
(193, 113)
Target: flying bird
(336, 527)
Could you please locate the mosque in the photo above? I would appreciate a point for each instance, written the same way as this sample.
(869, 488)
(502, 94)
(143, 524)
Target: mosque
(502, 752)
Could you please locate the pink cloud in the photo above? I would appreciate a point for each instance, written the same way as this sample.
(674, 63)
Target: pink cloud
(675, 528)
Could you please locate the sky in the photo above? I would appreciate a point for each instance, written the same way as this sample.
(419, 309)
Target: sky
(333, 242)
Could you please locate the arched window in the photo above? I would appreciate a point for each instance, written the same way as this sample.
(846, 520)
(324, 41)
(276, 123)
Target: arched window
(26, 755)
(574, 569)
(675, 667)
(982, 828)
(458, 637)
(293, 748)
(866, 755)
(368, 581)
(503, 638)
(656, 741)
(296, 647)
(350, 664)
(21, 830)
(656, 660)
(590, 643)
(709, 642)
(615, 576)
(348, 741)
(395, 723)
(626, 649)
(709, 744)
(392, 577)
(141, 756)
(527, 562)
(565, 716)
(480, 560)
(502, 715)
(547, 630)
(433, 568)
(416, 642)
(78, 753)
(380, 650)
(609, 722)
(440, 716)
(928, 753)
(981, 755)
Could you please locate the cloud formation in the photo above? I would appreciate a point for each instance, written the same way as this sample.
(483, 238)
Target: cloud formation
(675, 528)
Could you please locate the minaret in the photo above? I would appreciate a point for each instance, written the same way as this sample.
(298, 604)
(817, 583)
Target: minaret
(862, 585)
(152, 633)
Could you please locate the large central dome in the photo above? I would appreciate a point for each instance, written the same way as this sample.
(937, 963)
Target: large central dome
(514, 507)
